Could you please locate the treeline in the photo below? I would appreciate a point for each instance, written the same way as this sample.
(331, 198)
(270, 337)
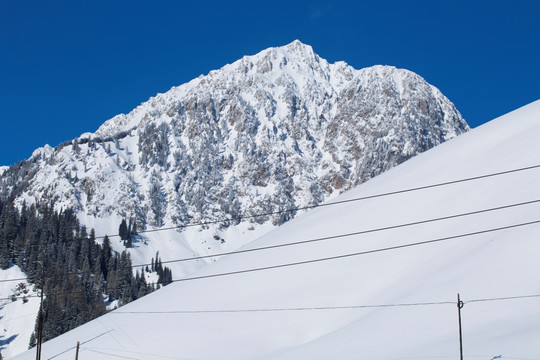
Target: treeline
(80, 275)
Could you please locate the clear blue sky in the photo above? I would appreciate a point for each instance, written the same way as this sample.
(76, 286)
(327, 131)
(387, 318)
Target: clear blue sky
(67, 66)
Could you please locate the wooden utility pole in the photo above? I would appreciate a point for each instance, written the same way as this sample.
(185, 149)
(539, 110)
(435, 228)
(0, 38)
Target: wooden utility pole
(77, 352)
(459, 306)
(40, 316)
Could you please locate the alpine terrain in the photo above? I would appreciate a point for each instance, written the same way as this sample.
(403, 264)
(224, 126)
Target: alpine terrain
(372, 274)
(248, 143)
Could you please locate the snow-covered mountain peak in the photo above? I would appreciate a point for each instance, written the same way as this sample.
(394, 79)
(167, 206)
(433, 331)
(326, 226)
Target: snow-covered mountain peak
(282, 124)
(298, 47)
(270, 132)
(290, 70)
(282, 127)
(294, 54)
(45, 150)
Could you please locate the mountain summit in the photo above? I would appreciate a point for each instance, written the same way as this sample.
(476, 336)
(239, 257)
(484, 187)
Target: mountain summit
(278, 130)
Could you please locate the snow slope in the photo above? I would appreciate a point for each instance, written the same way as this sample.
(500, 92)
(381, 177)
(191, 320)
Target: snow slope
(17, 318)
(186, 319)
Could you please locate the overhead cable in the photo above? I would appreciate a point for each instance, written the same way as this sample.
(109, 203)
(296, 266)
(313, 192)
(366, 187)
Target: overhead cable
(385, 228)
(337, 202)
(342, 256)
(402, 246)
(361, 232)
(316, 308)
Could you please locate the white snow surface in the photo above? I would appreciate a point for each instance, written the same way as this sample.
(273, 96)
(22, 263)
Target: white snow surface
(484, 266)
(17, 318)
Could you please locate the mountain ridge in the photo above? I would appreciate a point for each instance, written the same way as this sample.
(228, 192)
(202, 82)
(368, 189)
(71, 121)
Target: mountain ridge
(263, 65)
(277, 130)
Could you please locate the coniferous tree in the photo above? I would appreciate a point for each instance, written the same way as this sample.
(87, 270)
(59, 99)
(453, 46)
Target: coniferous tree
(132, 227)
(75, 146)
(125, 278)
(8, 228)
(79, 272)
(33, 340)
(106, 254)
(123, 230)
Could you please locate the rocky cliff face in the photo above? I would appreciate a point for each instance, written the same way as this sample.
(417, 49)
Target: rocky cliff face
(273, 131)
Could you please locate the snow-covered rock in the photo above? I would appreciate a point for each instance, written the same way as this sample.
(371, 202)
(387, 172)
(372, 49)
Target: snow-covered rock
(277, 130)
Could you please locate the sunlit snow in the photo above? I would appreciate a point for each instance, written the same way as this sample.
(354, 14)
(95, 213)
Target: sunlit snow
(186, 320)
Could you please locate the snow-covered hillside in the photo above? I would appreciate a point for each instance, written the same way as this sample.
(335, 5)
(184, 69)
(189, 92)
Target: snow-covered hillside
(17, 318)
(293, 312)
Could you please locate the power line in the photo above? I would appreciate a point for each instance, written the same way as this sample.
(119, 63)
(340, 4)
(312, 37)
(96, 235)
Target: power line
(18, 317)
(362, 232)
(331, 203)
(389, 248)
(133, 352)
(110, 354)
(284, 309)
(50, 295)
(419, 243)
(336, 236)
(502, 298)
(319, 308)
(385, 228)
(18, 279)
(446, 238)
(240, 218)
(361, 198)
